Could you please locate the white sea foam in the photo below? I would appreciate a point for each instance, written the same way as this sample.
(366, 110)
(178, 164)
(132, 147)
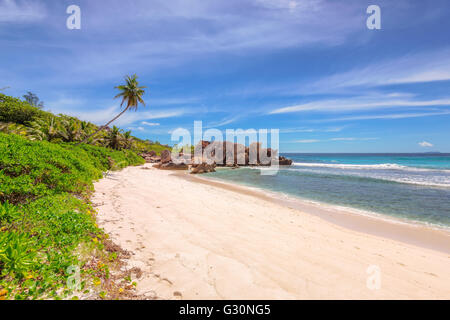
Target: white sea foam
(386, 171)
(393, 166)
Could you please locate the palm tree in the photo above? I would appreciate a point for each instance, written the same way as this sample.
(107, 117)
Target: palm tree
(114, 139)
(49, 129)
(131, 94)
(127, 140)
(70, 129)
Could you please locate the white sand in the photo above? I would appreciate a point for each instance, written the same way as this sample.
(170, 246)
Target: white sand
(196, 241)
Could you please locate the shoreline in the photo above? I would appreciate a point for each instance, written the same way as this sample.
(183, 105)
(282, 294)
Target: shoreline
(191, 239)
(410, 232)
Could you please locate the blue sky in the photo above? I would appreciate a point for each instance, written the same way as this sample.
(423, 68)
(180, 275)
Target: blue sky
(309, 68)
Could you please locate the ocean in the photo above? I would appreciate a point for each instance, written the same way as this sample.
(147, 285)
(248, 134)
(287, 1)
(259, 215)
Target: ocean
(415, 187)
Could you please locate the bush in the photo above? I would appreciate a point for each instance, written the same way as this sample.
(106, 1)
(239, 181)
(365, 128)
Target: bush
(17, 111)
(44, 213)
(30, 169)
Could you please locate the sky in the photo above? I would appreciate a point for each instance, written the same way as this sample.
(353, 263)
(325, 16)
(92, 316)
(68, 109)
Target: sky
(310, 68)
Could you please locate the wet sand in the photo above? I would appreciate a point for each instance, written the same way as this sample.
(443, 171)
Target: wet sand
(378, 225)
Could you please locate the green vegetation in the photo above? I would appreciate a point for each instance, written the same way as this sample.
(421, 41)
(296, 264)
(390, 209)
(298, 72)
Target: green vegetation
(13, 110)
(19, 117)
(33, 100)
(45, 216)
(47, 224)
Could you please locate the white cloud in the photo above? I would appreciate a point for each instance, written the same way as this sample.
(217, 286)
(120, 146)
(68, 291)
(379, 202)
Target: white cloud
(411, 68)
(352, 139)
(225, 121)
(102, 116)
(303, 130)
(425, 144)
(307, 141)
(21, 11)
(193, 30)
(136, 129)
(387, 116)
(343, 139)
(151, 124)
(359, 103)
(335, 139)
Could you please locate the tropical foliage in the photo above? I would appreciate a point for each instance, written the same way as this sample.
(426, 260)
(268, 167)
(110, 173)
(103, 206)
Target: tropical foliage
(45, 217)
(19, 117)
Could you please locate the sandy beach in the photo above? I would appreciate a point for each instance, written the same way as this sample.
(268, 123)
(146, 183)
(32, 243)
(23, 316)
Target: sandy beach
(196, 240)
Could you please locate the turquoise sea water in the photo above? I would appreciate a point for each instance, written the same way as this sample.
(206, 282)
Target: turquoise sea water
(408, 186)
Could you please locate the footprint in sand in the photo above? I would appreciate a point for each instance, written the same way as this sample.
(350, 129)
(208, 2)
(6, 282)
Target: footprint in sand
(431, 274)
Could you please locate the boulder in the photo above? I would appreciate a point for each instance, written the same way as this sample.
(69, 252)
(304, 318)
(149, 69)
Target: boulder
(153, 159)
(282, 161)
(229, 154)
(148, 156)
(172, 166)
(166, 156)
(203, 168)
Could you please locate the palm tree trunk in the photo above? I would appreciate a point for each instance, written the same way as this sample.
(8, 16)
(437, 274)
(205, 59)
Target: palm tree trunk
(102, 127)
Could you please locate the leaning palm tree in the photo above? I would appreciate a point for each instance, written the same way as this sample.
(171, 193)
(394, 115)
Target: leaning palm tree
(131, 94)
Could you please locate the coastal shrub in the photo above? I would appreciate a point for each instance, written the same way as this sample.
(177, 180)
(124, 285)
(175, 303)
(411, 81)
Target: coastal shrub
(45, 217)
(30, 169)
(38, 245)
(17, 111)
(19, 117)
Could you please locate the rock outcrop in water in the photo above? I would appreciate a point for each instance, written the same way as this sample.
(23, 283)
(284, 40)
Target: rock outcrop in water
(221, 154)
(202, 168)
(171, 166)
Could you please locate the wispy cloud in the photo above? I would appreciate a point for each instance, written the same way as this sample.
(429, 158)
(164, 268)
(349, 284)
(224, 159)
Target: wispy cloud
(192, 30)
(151, 124)
(225, 121)
(306, 130)
(21, 11)
(307, 141)
(386, 116)
(136, 129)
(103, 115)
(359, 103)
(335, 139)
(352, 139)
(412, 68)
